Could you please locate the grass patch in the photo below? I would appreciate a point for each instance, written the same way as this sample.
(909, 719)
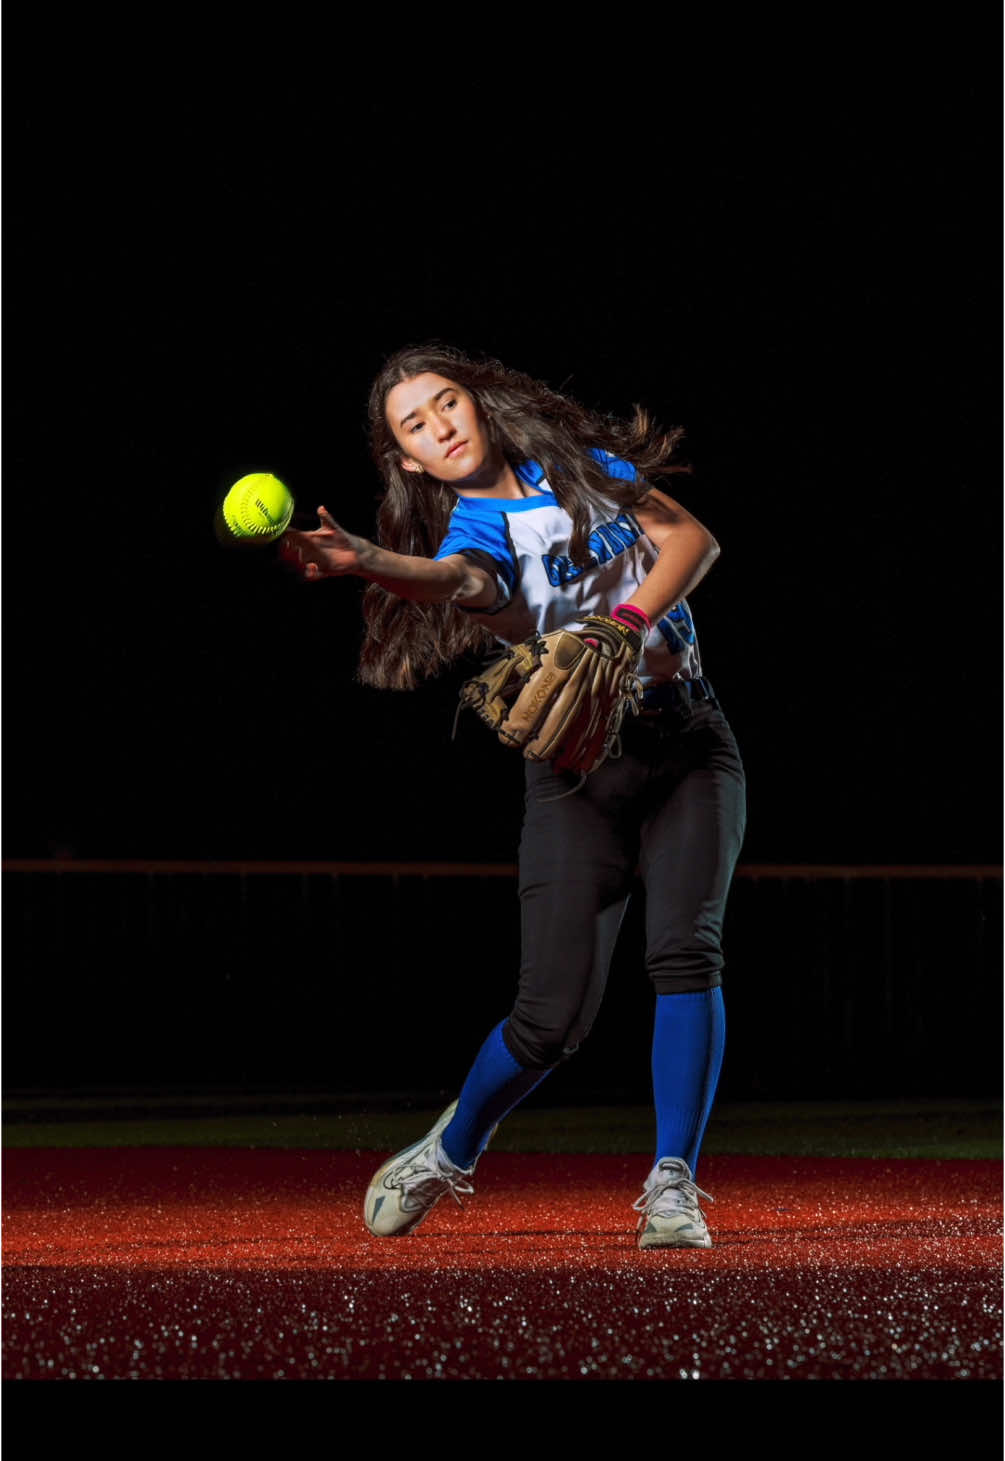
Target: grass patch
(951, 1129)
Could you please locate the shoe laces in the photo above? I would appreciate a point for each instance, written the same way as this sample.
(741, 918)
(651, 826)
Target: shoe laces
(424, 1177)
(669, 1188)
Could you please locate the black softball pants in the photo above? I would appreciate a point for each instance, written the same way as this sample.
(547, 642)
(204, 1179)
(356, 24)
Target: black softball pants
(672, 809)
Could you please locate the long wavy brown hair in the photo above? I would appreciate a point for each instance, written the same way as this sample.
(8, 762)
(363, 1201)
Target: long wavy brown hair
(407, 641)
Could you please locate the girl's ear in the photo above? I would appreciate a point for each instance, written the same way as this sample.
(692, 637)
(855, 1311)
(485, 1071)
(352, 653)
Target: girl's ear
(409, 465)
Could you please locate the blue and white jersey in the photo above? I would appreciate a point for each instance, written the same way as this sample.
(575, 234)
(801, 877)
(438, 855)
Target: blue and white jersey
(525, 543)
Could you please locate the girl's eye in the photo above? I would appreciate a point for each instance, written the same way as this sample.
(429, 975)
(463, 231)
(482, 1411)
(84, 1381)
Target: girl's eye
(448, 404)
(413, 429)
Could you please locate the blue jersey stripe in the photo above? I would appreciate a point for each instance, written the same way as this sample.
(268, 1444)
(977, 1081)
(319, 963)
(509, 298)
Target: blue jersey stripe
(480, 527)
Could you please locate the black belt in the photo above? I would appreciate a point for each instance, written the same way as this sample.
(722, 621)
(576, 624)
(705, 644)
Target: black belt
(675, 695)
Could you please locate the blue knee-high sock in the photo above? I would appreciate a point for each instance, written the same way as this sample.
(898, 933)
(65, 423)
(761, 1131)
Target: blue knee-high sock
(495, 1084)
(689, 1035)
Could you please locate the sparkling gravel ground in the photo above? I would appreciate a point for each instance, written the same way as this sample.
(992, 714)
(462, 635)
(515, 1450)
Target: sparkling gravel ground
(185, 1263)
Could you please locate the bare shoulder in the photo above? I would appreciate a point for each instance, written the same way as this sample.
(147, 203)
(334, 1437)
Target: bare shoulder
(658, 505)
(658, 515)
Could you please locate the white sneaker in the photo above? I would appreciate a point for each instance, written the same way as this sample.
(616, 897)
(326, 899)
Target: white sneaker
(408, 1186)
(671, 1217)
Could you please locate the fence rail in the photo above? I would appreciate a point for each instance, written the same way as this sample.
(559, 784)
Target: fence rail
(840, 980)
(210, 868)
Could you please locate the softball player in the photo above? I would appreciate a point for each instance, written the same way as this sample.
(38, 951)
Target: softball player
(511, 510)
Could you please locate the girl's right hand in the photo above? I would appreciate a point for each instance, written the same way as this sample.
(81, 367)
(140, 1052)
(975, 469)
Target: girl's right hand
(327, 552)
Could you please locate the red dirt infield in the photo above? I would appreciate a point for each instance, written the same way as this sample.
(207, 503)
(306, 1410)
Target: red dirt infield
(188, 1263)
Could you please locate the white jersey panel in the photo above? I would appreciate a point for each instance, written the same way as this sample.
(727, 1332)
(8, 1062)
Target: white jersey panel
(525, 541)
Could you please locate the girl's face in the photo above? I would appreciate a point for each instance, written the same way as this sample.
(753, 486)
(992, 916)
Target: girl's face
(438, 427)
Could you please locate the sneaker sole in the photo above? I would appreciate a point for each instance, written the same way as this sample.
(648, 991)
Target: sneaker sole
(656, 1242)
(374, 1192)
(651, 1237)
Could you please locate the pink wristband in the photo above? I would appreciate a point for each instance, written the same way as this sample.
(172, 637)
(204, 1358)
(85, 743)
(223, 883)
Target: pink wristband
(629, 610)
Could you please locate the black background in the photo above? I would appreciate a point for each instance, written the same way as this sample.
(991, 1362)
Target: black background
(787, 240)
(205, 268)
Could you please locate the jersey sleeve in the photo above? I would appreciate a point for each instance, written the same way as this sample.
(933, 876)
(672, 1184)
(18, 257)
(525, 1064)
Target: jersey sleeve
(614, 466)
(485, 542)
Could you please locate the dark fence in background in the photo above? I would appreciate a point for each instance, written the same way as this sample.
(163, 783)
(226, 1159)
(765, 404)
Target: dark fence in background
(841, 982)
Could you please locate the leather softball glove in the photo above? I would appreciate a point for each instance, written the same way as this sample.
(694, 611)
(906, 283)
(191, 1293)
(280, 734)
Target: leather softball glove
(562, 696)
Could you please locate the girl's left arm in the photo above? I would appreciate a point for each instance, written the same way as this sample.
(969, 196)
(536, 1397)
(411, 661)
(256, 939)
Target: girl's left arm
(687, 551)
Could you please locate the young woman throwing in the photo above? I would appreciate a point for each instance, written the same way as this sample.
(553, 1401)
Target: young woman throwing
(510, 510)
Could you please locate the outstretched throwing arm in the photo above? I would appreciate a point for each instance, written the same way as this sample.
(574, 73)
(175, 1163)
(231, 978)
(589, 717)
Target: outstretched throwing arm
(329, 552)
